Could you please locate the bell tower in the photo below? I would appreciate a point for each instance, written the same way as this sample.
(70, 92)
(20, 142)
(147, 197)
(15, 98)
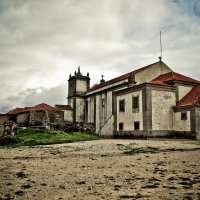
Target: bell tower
(78, 85)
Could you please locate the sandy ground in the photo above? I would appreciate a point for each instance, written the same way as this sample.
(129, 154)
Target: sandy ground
(101, 170)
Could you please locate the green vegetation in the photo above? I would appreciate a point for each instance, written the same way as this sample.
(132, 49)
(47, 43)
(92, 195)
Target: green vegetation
(21, 175)
(32, 137)
(142, 150)
(155, 150)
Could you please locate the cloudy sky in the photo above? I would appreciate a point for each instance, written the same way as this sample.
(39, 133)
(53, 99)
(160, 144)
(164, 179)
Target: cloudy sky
(42, 42)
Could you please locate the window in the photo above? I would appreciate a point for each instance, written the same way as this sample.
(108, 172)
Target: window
(183, 115)
(135, 102)
(121, 126)
(103, 102)
(122, 105)
(136, 125)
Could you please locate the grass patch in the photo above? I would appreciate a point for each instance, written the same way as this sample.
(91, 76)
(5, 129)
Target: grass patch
(137, 196)
(156, 150)
(32, 137)
(142, 150)
(21, 175)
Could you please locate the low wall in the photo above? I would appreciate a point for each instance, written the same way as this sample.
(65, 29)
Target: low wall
(130, 134)
(154, 134)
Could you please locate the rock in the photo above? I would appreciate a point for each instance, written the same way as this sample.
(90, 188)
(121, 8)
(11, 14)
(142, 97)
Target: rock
(70, 127)
(8, 133)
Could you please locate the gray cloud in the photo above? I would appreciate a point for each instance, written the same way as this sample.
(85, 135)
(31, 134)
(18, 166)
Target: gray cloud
(31, 97)
(42, 42)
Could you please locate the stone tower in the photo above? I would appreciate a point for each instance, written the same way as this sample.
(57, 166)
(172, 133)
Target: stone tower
(78, 85)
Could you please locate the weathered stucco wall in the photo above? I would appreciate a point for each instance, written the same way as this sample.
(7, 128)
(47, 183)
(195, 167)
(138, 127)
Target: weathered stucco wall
(80, 105)
(23, 118)
(182, 125)
(162, 113)
(71, 87)
(81, 86)
(68, 115)
(71, 102)
(109, 126)
(183, 90)
(97, 113)
(130, 116)
(104, 120)
(90, 109)
(106, 117)
(151, 73)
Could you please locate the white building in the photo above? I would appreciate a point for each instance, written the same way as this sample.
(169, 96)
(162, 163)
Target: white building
(148, 102)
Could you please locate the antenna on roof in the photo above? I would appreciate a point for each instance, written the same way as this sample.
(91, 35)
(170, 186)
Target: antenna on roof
(160, 57)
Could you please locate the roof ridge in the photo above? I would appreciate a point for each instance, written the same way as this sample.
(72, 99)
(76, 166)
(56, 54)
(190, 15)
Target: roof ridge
(173, 76)
(121, 77)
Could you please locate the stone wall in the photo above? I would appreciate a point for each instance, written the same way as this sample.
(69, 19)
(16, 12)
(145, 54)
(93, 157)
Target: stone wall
(23, 119)
(3, 118)
(43, 118)
(56, 116)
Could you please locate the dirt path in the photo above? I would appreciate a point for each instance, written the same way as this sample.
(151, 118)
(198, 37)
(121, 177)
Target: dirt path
(101, 170)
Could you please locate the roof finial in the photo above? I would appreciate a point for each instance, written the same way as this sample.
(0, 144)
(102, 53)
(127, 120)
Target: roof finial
(79, 71)
(102, 80)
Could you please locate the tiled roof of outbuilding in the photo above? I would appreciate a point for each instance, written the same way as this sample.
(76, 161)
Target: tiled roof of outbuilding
(173, 76)
(38, 107)
(16, 111)
(42, 106)
(190, 98)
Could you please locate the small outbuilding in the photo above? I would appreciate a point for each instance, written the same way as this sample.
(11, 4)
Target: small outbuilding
(39, 115)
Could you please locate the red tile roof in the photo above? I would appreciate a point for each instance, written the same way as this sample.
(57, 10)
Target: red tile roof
(38, 107)
(190, 98)
(120, 78)
(172, 76)
(16, 111)
(42, 106)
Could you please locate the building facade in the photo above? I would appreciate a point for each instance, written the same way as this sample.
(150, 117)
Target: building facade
(152, 101)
